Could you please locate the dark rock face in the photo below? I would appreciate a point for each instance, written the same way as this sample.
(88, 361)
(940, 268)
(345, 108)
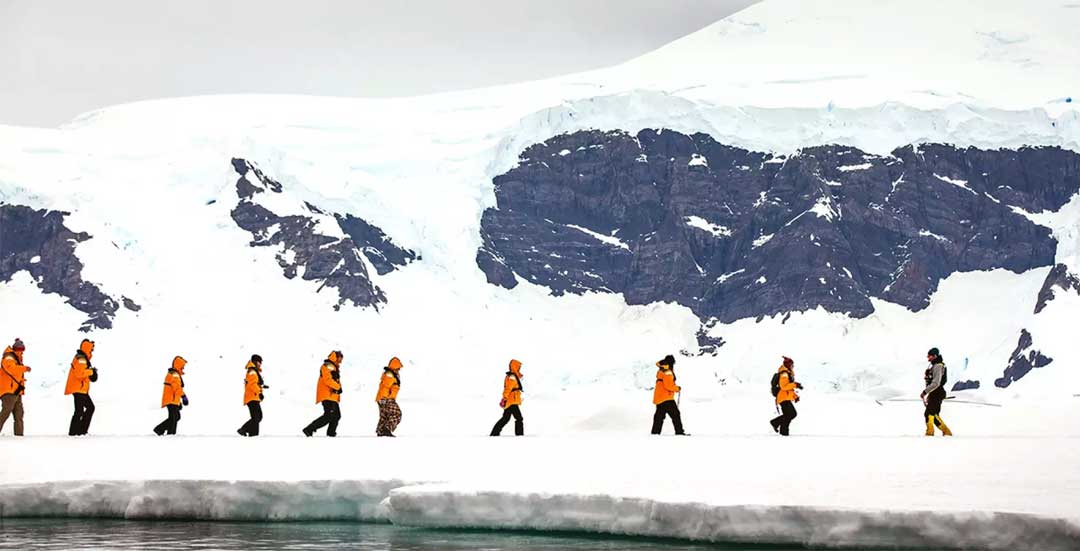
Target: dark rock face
(1060, 278)
(37, 241)
(965, 385)
(1022, 361)
(732, 234)
(332, 261)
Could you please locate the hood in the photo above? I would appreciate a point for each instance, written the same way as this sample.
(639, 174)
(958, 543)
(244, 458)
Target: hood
(18, 353)
(335, 357)
(178, 364)
(515, 367)
(251, 365)
(784, 368)
(395, 364)
(87, 347)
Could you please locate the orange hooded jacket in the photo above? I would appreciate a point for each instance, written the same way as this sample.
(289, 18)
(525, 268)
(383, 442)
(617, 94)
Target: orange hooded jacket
(327, 382)
(12, 372)
(252, 384)
(787, 387)
(390, 382)
(665, 385)
(78, 381)
(512, 386)
(174, 383)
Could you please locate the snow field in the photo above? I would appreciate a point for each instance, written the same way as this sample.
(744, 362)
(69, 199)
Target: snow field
(984, 492)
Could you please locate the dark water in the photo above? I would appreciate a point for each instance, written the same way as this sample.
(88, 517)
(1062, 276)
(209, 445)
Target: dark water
(182, 536)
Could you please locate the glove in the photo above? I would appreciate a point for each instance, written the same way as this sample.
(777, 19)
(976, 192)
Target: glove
(798, 386)
(502, 403)
(93, 374)
(184, 400)
(678, 389)
(335, 391)
(260, 397)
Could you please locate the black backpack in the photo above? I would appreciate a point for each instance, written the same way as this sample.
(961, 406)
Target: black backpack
(776, 382)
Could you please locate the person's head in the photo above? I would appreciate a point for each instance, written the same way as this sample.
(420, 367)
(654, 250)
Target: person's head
(87, 347)
(394, 365)
(515, 367)
(256, 360)
(788, 362)
(18, 345)
(178, 364)
(335, 357)
(667, 363)
(933, 355)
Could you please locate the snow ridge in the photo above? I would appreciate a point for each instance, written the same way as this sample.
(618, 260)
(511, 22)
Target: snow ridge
(441, 505)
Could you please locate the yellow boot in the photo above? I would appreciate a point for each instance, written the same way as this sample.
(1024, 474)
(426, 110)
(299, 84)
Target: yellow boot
(944, 428)
(930, 426)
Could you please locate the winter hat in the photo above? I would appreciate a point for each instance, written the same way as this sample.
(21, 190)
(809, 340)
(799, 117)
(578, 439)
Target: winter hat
(18, 344)
(788, 362)
(256, 359)
(933, 352)
(668, 360)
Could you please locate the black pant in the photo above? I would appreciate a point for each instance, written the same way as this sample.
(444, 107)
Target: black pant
(787, 414)
(331, 415)
(84, 411)
(671, 409)
(168, 426)
(251, 428)
(519, 422)
(933, 404)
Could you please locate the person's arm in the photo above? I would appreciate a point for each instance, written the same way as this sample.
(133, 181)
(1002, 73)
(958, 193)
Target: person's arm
(785, 382)
(252, 381)
(83, 371)
(936, 373)
(668, 380)
(328, 379)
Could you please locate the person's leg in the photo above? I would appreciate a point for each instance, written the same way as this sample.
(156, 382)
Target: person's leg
(320, 421)
(7, 405)
(160, 428)
(394, 416)
(519, 421)
(676, 417)
(87, 414)
(933, 405)
(255, 408)
(174, 419)
(497, 429)
(787, 413)
(18, 412)
(335, 416)
(76, 417)
(658, 419)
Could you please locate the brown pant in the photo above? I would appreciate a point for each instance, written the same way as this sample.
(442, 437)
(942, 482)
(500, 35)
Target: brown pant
(12, 403)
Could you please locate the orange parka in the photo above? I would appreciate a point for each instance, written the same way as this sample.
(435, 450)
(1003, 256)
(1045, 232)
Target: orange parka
(253, 384)
(174, 383)
(787, 386)
(78, 381)
(12, 373)
(329, 379)
(512, 389)
(390, 382)
(665, 385)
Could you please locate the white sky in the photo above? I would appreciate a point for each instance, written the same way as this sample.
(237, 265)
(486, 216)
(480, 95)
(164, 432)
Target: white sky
(59, 58)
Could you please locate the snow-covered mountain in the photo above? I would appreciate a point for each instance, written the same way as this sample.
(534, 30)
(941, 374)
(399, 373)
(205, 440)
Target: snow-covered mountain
(848, 183)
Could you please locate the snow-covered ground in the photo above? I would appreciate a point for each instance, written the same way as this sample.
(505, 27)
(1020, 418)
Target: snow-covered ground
(846, 478)
(152, 183)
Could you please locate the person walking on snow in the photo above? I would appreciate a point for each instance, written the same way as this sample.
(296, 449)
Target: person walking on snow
(664, 396)
(784, 387)
(173, 397)
(935, 377)
(253, 396)
(81, 374)
(13, 385)
(328, 393)
(386, 397)
(511, 401)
